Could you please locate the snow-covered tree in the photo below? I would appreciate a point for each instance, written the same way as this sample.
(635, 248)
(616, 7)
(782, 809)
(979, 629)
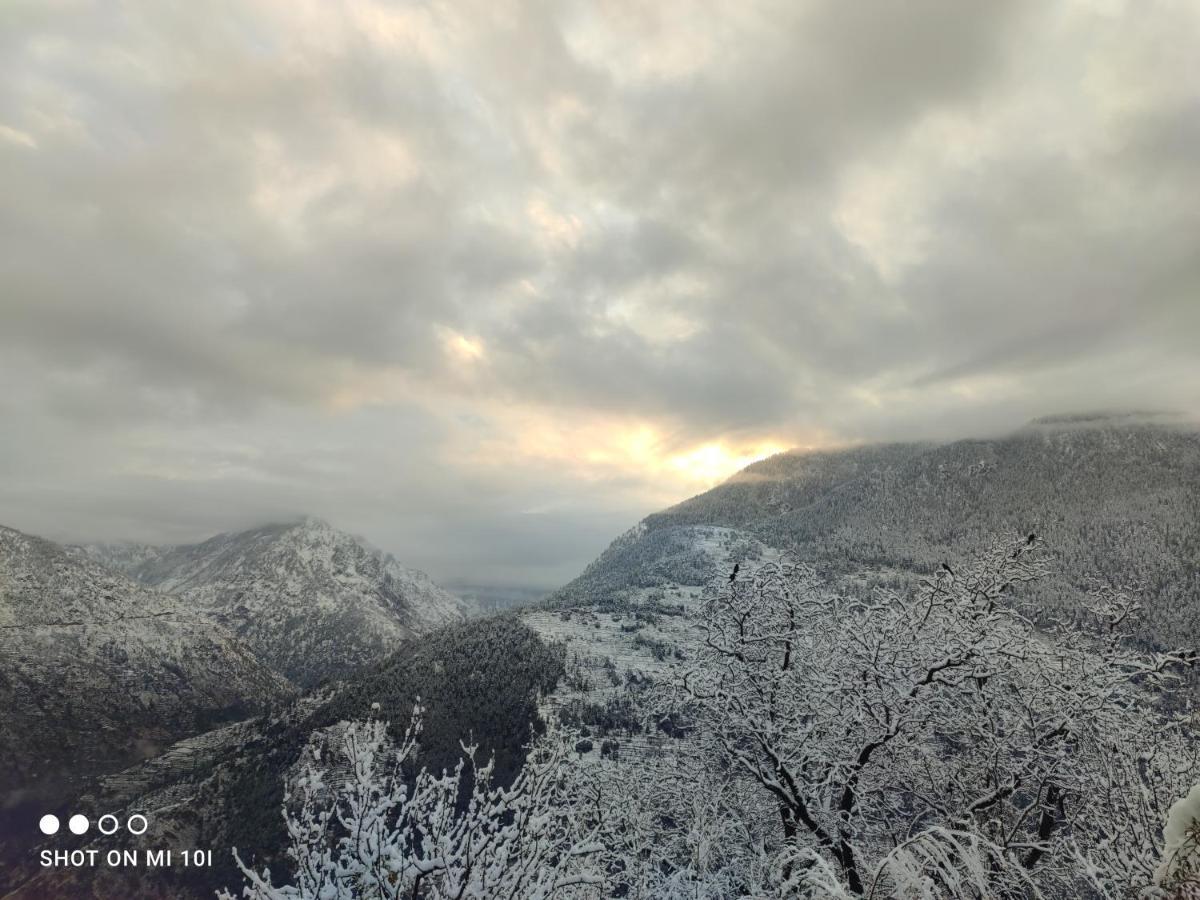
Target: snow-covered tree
(930, 745)
(361, 829)
(672, 828)
(939, 744)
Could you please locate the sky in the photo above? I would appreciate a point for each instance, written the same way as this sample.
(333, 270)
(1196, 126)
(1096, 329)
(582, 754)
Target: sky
(487, 282)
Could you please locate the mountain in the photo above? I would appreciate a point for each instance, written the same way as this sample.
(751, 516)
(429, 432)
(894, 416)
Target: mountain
(97, 671)
(1116, 497)
(125, 556)
(312, 601)
(481, 678)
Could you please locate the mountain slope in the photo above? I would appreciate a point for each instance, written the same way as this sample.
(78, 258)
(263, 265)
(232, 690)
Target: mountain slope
(1113, 497)
(98, 671)
(480, 678)
(313, 602)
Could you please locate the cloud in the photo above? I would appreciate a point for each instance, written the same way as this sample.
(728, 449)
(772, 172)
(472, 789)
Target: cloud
(488, 281)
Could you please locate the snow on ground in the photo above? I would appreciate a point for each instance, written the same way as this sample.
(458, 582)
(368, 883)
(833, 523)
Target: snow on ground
(618, 655)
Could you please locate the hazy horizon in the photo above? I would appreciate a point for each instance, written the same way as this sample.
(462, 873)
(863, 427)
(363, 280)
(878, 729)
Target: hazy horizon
(523, 591)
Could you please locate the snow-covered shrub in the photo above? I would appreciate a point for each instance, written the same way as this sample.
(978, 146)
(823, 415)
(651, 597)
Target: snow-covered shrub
(671, 829)
(360, 828)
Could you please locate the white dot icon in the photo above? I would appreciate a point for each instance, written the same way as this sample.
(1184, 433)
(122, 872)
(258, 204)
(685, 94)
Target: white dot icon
(78, 824)
(48, 824)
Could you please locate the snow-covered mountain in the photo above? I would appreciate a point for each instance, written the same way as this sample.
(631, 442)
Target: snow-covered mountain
(224, 789)
(97, 671)
(1114, 496)
(1111, 497)
(312, 601)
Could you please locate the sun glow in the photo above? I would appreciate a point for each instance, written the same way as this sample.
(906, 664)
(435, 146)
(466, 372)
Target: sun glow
(596, 448)
(460, 347)
(714, 462)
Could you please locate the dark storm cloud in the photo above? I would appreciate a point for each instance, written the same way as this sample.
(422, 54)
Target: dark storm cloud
(474, 278)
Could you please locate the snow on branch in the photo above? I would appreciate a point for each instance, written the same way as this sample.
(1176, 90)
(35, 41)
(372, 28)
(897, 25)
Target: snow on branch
(359, 828)
(938, 743)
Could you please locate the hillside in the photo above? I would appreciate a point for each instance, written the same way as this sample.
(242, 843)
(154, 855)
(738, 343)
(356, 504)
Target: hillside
(312, 601)
(1116, 498)
(98, 672)
(606, 656)
(222, 789)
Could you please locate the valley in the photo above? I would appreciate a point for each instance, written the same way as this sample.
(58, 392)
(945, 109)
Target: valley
(345, 633)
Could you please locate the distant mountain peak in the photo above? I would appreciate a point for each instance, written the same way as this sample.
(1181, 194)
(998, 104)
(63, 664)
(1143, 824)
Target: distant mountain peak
(314, 525)
(311, 599)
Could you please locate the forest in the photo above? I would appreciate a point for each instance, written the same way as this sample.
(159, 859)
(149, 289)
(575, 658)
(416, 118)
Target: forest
(935, 743)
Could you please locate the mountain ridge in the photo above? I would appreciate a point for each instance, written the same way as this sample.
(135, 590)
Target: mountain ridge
(1115, 499)
(313, 601)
